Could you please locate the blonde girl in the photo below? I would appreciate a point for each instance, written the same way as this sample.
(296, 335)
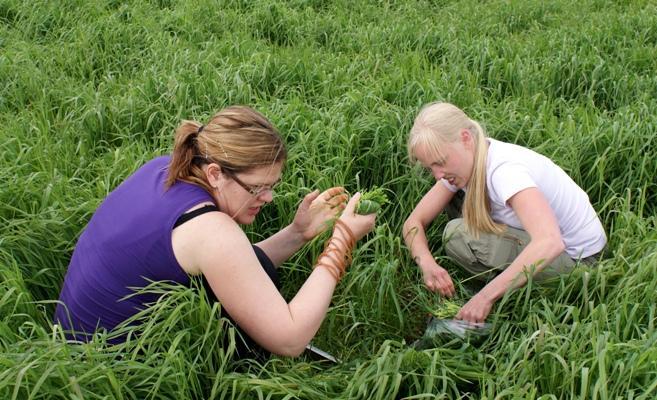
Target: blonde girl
(516, 212)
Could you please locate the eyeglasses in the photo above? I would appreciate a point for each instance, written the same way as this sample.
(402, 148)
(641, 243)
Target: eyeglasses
(254, 190)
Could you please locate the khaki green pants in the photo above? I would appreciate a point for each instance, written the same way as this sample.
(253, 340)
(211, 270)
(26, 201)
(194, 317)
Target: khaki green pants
(490, 254)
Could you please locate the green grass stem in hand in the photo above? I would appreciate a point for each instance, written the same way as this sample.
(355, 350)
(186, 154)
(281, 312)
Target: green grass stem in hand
(371, 201)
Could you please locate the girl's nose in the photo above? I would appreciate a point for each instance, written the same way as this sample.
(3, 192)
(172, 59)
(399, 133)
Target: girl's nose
(437, 173)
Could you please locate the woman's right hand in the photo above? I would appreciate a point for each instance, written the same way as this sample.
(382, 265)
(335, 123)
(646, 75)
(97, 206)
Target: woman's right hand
(360, 225)
(436, 278)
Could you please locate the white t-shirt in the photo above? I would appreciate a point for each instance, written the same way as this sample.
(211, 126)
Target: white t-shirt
(511, 168)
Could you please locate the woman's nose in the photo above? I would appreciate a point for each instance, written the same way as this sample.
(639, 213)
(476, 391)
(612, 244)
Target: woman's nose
(267, 195)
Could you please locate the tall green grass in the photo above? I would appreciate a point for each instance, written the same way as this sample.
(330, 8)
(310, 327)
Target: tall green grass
(90, 90)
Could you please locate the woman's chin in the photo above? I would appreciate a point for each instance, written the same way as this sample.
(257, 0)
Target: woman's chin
(245, 219)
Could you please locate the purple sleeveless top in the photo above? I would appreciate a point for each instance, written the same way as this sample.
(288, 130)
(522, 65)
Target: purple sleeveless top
(126, 244)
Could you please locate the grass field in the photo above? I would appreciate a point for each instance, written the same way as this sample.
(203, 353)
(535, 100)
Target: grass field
(90, 90)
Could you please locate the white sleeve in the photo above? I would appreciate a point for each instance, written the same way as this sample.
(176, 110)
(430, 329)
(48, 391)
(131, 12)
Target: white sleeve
(449, 187)
(507, 180)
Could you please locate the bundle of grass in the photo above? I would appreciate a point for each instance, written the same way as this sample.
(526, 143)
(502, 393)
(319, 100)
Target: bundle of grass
(371, 201)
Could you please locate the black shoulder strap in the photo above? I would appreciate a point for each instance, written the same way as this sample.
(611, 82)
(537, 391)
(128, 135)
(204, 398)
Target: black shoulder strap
(194, 213)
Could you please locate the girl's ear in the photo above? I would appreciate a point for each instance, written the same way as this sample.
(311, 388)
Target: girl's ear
(466, 137)
(465, 134)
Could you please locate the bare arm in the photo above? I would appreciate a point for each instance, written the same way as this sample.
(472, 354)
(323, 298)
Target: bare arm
(545, 245)
(414, 231)
(222, 252)
(282, 245)
(312, 218)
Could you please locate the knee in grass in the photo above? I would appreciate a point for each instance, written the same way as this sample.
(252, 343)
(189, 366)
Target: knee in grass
(455, 240)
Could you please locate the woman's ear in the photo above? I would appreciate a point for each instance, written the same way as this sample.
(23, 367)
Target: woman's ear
(213, 174)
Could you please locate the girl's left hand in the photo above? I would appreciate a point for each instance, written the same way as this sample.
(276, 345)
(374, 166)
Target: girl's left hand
(316, 211)
(477, 309)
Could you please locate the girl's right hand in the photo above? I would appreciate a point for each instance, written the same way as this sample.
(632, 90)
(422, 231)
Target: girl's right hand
(436, 278)
(360, 225)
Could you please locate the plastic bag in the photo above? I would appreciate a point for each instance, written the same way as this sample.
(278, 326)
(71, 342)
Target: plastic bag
(443, 330)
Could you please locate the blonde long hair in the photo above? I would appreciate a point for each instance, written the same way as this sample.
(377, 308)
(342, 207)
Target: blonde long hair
(439, 123)
(237, 138)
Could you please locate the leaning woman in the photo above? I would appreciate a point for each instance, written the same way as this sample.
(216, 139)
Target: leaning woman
(514, 211)
(179, 216)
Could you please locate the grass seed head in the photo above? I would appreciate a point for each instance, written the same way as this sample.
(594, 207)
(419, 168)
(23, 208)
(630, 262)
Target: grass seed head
(447, 309)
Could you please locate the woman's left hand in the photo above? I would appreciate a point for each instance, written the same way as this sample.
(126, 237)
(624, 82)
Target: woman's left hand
(316, 210)
(477, 309)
